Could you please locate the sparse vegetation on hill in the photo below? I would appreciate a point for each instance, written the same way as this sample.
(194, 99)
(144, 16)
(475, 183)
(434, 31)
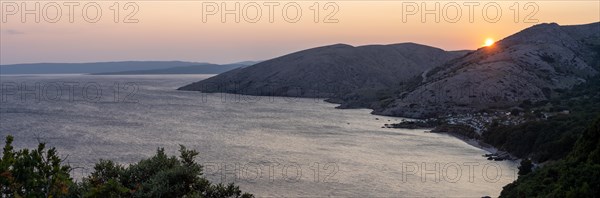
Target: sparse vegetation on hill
(535, 64)
(550, 138)
(42, 173)
(346, 74)
(575, 176)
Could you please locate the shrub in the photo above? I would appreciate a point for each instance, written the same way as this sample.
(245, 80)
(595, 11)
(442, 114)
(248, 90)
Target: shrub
(40, 173)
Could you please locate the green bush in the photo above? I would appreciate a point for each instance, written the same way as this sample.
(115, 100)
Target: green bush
(574, 176)
(553, 138)
(525, 167)
(33, 173)
(40, 173)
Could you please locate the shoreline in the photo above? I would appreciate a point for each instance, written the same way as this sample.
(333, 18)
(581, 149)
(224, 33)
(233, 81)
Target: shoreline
(481, 145)
(473, 142)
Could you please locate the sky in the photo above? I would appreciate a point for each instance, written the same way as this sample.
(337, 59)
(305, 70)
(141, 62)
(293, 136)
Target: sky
(207, 31)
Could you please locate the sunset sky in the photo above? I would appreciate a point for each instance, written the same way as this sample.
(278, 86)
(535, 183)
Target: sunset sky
(174, 30)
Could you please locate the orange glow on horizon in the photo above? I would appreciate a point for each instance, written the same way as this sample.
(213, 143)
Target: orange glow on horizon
(488, 42)
(179, 30)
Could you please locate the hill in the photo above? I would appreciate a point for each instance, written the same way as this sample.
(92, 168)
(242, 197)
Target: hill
(536, 64)
(333, 71)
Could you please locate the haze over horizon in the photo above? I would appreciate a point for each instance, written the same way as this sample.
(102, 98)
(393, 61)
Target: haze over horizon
(185, 31)
(306, 98)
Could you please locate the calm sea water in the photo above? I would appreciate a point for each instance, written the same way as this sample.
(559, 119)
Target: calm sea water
(270, 146)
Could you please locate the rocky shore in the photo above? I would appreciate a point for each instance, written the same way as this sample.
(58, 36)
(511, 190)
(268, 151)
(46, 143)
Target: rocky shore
(466, 127)
(417, 124)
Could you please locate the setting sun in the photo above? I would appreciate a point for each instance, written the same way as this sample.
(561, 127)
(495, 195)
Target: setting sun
(488, 42)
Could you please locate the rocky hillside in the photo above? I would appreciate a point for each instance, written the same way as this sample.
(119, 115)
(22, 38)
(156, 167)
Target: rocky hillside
(330, 71)
(535, 64)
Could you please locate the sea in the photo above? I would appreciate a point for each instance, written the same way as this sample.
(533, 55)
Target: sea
(269, 146)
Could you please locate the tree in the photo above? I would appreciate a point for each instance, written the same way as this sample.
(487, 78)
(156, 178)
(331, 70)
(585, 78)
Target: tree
(525, 167)
(574, 176)
(158, 176)
(33, 173)
(40, 173)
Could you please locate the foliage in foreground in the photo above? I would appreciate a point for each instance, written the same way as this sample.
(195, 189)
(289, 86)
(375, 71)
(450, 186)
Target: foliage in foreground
(575, 176)
(40, 173)
(32, 173)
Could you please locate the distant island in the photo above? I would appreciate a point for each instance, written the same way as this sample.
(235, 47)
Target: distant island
(192, 69)
(122, 68)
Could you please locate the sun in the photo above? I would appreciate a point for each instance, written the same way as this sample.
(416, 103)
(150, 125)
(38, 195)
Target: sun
(488, 42)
